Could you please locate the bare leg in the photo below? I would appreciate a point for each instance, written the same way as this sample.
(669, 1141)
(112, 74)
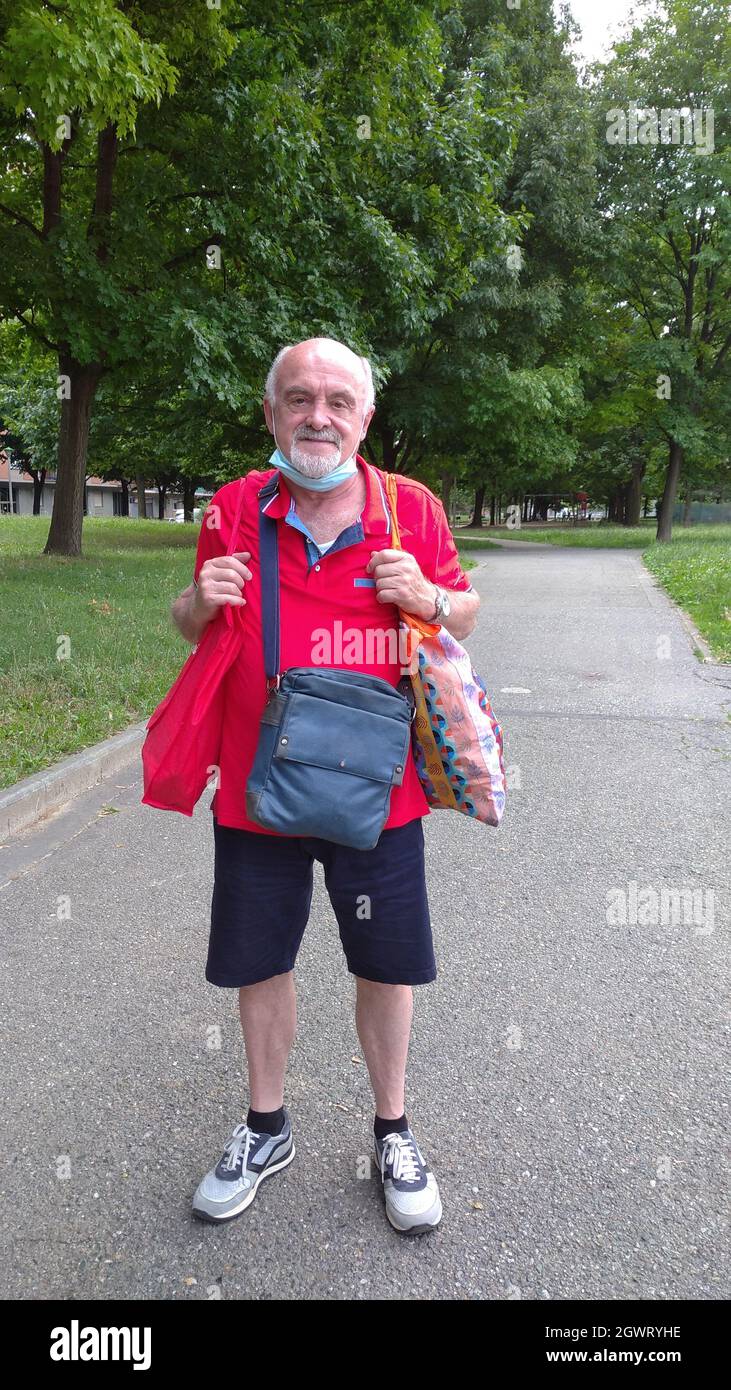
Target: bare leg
(383, 1016)
(269, 1022)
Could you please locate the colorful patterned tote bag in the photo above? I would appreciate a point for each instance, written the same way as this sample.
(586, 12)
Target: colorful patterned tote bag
(456, 739)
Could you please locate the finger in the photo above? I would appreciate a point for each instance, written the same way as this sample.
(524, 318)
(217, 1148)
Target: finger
(230, 562)
(223, 587)
(379, 556)
(227, 576)
(392, 567)
(399, 582)
(218, 600)
(236, 560)
(236, 572)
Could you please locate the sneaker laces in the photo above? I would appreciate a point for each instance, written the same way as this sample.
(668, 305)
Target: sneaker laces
(400, 1151)
(237, 1146)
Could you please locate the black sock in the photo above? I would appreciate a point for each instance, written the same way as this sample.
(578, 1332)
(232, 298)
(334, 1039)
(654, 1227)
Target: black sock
(383, 1127)
(266, 1121)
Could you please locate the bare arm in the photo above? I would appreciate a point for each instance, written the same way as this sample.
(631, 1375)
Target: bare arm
(189, 623)
(464, 608)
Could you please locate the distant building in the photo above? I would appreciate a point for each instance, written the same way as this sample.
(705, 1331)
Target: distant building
(102, 496)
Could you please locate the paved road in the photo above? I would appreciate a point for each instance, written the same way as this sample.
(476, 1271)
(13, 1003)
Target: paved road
(566, 1073)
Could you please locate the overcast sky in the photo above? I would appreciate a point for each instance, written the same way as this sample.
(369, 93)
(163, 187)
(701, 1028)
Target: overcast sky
(600, 21)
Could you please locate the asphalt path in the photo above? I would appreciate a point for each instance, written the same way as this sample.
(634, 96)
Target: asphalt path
(566, 1071)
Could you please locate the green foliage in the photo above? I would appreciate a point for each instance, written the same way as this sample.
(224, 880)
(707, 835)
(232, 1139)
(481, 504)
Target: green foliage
(29, 406)
(668, 226)
(366, 171)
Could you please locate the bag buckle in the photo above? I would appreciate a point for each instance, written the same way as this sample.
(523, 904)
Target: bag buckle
(272, 685)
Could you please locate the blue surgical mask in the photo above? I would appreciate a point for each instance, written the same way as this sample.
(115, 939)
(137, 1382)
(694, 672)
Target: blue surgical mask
(330, 480)
(344, 470)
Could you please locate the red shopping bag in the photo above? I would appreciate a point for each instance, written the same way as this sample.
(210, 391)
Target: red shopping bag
(181, 748)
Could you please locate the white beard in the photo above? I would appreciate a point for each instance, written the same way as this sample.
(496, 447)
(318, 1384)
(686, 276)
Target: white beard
(313, 466)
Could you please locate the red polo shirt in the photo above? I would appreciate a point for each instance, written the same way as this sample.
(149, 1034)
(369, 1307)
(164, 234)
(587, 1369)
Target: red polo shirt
(328, 606)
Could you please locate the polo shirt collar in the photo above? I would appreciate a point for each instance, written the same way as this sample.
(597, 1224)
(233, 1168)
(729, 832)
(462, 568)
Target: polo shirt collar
(375, 516)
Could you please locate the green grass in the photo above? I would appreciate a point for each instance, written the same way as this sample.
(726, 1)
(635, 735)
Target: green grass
(697, 574)
(593, 536)
(695, 567)
(113, 604)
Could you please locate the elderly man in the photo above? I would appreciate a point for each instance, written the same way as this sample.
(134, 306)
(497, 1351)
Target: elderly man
(336, 568)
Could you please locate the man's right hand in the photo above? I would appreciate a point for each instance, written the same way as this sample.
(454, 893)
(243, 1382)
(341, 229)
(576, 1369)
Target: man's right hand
(221, 580)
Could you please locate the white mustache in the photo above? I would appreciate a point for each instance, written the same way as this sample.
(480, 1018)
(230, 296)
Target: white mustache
(324, 436)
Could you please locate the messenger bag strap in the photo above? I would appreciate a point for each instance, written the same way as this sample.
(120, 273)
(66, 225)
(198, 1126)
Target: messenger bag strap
(269, 572)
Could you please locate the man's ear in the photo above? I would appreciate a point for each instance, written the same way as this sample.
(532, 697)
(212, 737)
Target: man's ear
(268, 415)
(366, 421)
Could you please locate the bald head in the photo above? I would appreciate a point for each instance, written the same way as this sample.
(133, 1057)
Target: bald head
(323, 355)
(318, 404)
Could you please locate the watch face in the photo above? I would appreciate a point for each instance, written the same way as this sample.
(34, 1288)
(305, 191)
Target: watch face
(446, 605)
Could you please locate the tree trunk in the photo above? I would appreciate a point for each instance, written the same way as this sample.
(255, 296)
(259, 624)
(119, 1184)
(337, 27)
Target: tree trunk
(188, 498)
(161, 493)
(492, 508)
(39, 477)
(645, 507)
(687, 504)
(140, 486)
(479, 503)
(665, 514)
(125, 497)
(447, 481)
(634, 493)
(64, 536)
(388, 447)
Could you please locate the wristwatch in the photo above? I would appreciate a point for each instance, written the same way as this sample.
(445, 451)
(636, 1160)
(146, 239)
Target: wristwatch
(443, 606)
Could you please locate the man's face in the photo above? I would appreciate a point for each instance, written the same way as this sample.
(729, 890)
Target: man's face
(319, 409)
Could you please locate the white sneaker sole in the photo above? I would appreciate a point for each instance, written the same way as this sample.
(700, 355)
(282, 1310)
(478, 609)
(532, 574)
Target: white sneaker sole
(425, 1221)
(205, 1215)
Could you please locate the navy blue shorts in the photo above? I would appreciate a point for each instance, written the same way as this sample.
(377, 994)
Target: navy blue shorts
(263, 890)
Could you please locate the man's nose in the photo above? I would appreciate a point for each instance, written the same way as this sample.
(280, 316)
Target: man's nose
(319, 416)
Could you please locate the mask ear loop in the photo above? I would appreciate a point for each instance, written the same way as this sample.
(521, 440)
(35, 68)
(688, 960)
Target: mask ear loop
(274, 431)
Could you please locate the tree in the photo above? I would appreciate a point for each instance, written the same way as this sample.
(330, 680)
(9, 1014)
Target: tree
(167, 185)
(668, 218)
(486, 386)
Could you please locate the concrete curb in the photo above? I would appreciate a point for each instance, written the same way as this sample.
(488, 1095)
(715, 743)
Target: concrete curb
(40, 796)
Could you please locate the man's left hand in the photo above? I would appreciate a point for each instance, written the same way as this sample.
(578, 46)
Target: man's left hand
(399, 580)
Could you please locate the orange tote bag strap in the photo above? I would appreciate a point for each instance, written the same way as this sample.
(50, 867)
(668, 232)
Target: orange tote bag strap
(418, 625)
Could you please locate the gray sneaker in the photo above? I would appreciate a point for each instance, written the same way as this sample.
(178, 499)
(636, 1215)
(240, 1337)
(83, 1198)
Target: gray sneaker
(248, 1158)
(413, 1204)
